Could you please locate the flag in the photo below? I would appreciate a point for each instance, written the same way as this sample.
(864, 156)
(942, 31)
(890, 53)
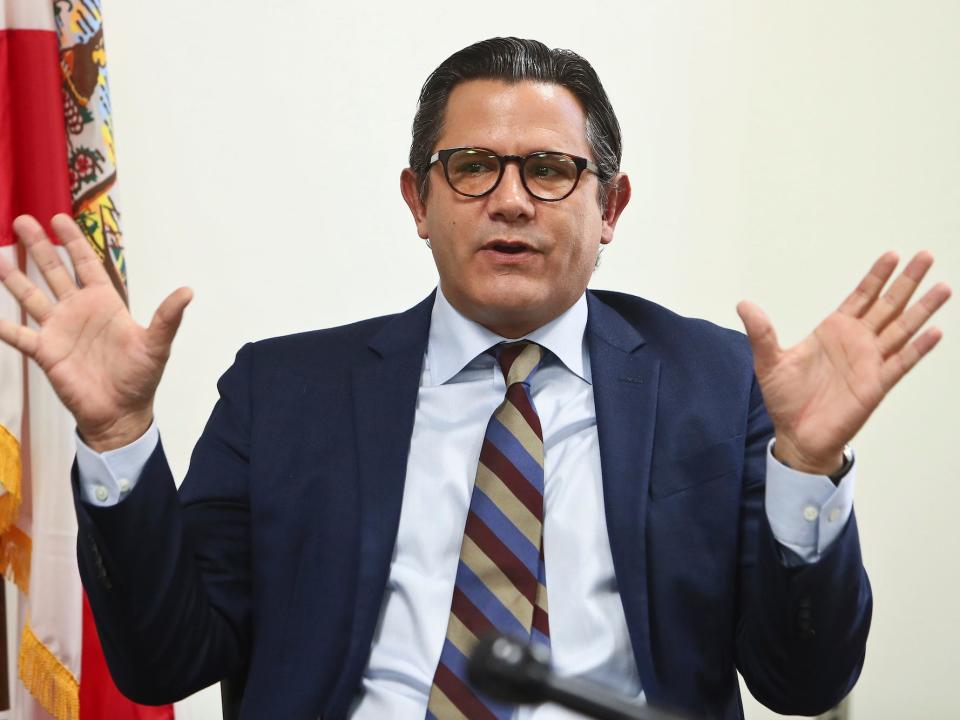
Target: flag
(56, 155)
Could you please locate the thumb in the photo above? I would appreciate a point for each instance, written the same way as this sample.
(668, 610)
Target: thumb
(166, 320)
(760, 333)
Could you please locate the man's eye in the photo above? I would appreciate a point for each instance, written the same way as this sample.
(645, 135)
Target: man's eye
(544, 171)
(472, 168)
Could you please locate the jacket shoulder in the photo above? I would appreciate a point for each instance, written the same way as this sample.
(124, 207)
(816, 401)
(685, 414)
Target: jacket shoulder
(676, 336)
(344, 346)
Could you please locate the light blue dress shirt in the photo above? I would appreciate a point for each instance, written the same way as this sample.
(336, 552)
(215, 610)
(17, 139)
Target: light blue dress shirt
(460, 387)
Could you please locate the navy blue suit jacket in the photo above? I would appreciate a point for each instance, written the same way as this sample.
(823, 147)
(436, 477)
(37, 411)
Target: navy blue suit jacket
(270, 565)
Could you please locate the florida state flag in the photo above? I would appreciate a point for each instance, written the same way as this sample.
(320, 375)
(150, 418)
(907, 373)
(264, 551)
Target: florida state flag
(56, 155)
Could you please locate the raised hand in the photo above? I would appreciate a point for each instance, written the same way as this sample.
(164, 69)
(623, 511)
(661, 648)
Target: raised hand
(820, 392)
(103, 365)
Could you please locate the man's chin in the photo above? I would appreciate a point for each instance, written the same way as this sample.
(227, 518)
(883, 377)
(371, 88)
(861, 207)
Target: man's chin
(512, 314)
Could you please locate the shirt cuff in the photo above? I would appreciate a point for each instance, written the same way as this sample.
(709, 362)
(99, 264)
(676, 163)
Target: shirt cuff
(107, 478)
(806, 512)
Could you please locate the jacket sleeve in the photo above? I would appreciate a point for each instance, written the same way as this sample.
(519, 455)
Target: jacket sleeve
(168, 577)
(801, 630)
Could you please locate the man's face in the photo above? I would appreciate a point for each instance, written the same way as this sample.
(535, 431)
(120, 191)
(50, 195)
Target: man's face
(507, 260)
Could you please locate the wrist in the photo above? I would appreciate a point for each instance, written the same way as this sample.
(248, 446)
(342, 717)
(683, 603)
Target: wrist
(829, 463)
(120, 433)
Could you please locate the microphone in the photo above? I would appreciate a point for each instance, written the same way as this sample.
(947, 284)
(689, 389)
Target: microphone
(515, 672)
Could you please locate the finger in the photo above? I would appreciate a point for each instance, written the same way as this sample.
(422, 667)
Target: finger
(86, 263)
(762, 336)
(894, 300)
(898, 365)
(31, 234)
(22, 338)
(898, 332)
(166, 320)
(865, 294)
(31, 298)
(5, 268)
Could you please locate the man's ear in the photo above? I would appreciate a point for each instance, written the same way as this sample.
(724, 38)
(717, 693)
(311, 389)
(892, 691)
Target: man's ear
(617, 198)
(409, 188)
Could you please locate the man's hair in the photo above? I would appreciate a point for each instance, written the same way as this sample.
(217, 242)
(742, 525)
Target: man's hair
(513, 60)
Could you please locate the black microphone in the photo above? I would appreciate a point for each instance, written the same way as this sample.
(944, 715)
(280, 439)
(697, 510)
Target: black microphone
(515, 672)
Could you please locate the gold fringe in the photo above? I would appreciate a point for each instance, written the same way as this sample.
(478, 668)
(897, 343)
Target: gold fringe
(48, 679)
(15, 549)
(10, 476)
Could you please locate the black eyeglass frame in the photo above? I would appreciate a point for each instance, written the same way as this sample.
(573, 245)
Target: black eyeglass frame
(581, 163)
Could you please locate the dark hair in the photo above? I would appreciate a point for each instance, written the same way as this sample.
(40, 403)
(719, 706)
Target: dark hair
(512, 60)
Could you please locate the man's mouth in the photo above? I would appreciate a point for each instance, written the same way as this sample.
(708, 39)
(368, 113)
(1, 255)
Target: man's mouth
(508, 247)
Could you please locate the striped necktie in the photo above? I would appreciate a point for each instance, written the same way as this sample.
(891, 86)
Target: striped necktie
(500, 585)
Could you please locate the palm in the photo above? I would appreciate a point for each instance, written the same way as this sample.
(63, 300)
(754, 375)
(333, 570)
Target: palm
(95, 356)
(103, 365)
(820, 392)
(826, 386)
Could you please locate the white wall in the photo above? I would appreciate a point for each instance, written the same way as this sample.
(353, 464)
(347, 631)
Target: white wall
(775, 149)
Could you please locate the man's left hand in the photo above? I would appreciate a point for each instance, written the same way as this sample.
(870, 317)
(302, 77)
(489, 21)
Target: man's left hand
(820, 392)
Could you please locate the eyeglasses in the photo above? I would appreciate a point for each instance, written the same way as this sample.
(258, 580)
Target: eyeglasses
(546, 175)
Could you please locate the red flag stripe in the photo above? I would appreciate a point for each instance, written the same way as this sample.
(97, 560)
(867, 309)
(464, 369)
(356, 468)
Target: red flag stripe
(33, 148)
(99, 697)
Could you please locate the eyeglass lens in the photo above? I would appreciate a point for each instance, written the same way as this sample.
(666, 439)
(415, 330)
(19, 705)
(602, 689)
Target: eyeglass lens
(549, 176)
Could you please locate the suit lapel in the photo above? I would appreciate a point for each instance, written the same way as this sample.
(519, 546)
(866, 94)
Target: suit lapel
(625, 386)
(385, 388)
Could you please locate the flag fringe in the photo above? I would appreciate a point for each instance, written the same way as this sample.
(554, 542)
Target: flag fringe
(11, 473)
(15, 549)
(48, 679)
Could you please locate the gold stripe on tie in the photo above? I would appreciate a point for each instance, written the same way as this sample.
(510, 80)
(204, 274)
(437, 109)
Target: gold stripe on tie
(524, 364)
(442, 707)
(499, 584)
(508, 503)
(460, 635)
(516, 423)
(542, 598)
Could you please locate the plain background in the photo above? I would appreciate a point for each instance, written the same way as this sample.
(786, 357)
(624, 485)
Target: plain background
(775, 149)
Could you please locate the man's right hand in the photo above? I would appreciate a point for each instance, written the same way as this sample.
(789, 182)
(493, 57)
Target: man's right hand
(103, 365)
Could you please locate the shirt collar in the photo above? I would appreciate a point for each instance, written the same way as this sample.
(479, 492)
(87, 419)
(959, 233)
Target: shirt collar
(455, 340)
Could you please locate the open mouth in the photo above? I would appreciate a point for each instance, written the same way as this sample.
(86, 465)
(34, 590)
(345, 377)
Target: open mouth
(507, 247)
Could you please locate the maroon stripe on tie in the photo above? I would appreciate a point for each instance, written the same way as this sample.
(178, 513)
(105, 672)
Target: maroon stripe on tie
(474, 620)
(508, 356)
(502, 557)
(500, 466)
(541, 621)
(518, 397)
(461, 695)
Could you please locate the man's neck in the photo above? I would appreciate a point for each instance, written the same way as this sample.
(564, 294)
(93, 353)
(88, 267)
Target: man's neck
(510, 326)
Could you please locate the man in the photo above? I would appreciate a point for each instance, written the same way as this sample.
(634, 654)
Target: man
(336, 546)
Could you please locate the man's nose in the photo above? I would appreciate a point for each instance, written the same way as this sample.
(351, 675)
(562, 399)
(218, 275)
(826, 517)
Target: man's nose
(510, 201)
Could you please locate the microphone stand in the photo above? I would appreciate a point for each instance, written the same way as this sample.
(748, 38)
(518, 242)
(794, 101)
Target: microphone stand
(512, 671)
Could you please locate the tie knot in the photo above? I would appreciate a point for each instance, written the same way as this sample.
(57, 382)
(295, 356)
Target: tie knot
(518, 361)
